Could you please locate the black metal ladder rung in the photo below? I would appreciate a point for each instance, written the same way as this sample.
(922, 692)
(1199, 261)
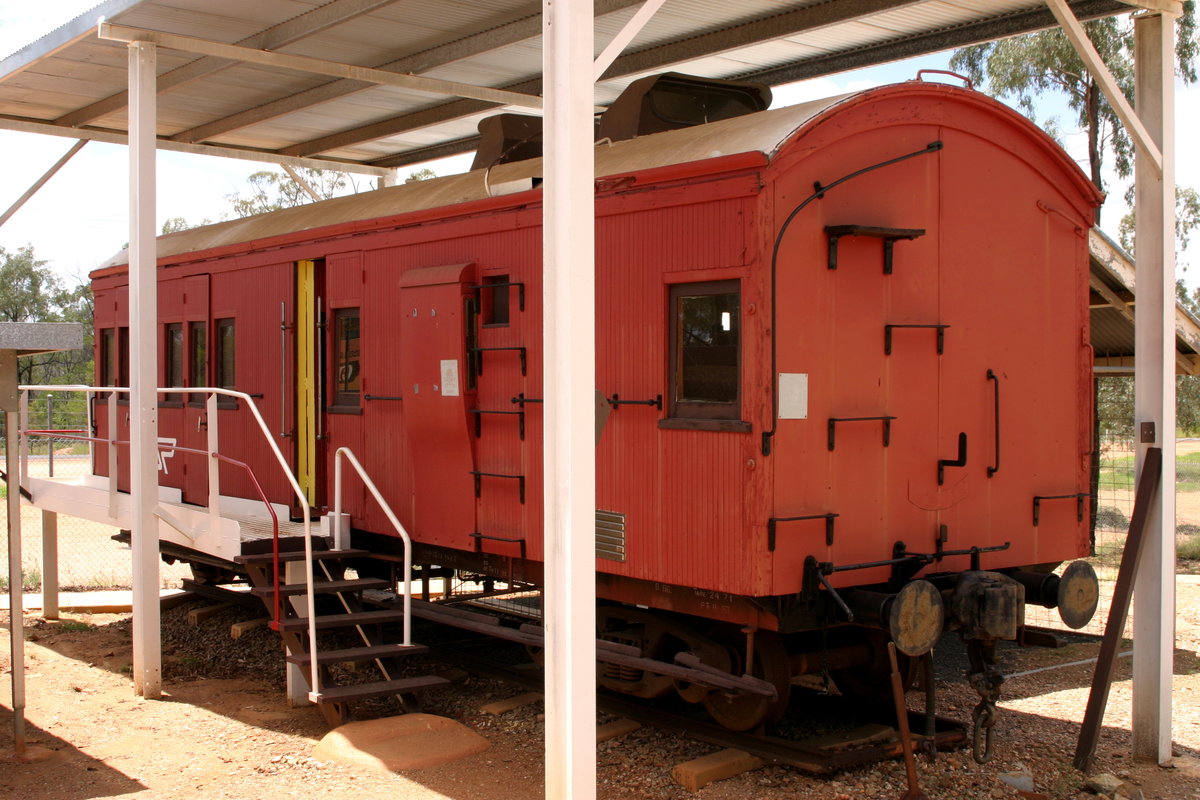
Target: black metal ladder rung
(479, 476)
(941, 335)
(481, 350)
(479, 412)
(520, 290)
(889, 236)
(1079, 497)
(479, 537)
(887, 427)
(773, 523)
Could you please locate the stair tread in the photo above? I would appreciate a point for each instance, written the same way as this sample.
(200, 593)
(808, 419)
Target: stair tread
(326, 621)
(381, 688)
(323, 586)
(361, 653)
(298, 555)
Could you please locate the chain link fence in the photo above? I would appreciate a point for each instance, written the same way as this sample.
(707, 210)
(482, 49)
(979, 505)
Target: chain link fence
(88, 557)
(1115, 488)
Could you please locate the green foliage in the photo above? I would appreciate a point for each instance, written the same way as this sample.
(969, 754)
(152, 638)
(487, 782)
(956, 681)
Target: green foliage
(271, 191)
(1114, 406)
(1024, 67)
(423, 174)
(31, 292)
(177, 224)
(1187, 219)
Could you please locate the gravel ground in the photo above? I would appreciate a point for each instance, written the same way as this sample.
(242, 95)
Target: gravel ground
(225, 730)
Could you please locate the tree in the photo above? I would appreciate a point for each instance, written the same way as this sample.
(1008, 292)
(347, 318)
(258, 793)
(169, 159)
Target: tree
(177, 224)
(31, 292)
(1024, 67)
(423, 174)
(272, 191)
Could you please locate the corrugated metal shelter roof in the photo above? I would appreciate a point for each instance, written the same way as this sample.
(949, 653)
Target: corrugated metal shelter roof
(72, 83)
(1113, 281)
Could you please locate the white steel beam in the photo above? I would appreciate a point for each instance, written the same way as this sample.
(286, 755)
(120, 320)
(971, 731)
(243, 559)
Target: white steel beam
(1154, 387)
(1146, 144)
(619, 42)
(223, 151)
(1172, 7)
(143, 370)
(569, 385)
(40, 182)
(318, 66)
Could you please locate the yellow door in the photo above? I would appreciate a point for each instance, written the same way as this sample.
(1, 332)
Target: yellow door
(306, 378)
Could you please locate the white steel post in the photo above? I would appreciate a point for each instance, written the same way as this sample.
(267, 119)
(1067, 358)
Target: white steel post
(143, 378)
(16, 601)
(569, 381)
(1154, 393)
(49, 564)
(214, 466)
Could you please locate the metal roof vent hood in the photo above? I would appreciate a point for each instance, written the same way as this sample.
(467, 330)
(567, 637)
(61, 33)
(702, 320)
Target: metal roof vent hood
(672, 100)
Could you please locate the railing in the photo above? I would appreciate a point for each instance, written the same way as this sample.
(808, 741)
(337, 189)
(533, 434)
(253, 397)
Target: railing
(337, 516)
(213, 483)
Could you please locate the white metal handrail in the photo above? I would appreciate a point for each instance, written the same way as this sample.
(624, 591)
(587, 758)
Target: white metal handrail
(337, 516)
(212, 392)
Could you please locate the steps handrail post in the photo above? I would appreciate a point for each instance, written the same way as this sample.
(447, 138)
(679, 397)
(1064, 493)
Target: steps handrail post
(23, 440)
(337, 499)
(112, 454)
(387, 510)
(214, 466)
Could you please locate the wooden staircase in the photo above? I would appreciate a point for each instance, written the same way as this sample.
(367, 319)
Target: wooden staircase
(339, 606)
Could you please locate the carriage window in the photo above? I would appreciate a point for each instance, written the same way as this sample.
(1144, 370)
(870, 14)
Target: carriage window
(108, 357)
(173, 347)
(223, 359)
(198, 352)
(495, 301)
(123, 359)
(705, 350)
(346, 374)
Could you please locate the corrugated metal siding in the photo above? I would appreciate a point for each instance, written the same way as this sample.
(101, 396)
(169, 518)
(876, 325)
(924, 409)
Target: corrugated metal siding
(681, 491)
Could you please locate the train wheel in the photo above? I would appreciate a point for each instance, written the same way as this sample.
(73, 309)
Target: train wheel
(872, 681)
(743, 712)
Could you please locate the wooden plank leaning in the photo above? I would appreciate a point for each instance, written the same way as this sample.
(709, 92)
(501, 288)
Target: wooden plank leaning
(1089, 733)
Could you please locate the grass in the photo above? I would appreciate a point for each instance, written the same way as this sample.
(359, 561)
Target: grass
(72, 625)
(31, 580)
(1187, 546)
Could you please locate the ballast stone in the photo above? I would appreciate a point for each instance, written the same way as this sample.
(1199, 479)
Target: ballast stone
(395, 744)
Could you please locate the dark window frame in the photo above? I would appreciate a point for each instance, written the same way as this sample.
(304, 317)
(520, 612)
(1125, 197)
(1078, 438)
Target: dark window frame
(197, 359)
(225, 367)
(345, 400)
(172, 362)
(715, 414)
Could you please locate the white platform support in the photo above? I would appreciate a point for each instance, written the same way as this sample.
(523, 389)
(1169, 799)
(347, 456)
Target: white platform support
(569, 338)
(143, 378)
(1154, 392)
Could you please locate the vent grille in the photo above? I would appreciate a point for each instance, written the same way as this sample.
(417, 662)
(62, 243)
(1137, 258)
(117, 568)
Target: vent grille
(610, 535)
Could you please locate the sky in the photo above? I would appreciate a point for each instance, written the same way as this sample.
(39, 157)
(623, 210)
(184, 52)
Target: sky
(80, 217)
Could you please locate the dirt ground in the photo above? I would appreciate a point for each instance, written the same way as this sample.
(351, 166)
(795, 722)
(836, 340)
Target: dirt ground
(223, 729)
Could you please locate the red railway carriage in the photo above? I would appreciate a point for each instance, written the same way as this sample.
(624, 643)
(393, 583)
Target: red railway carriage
(814, 377)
